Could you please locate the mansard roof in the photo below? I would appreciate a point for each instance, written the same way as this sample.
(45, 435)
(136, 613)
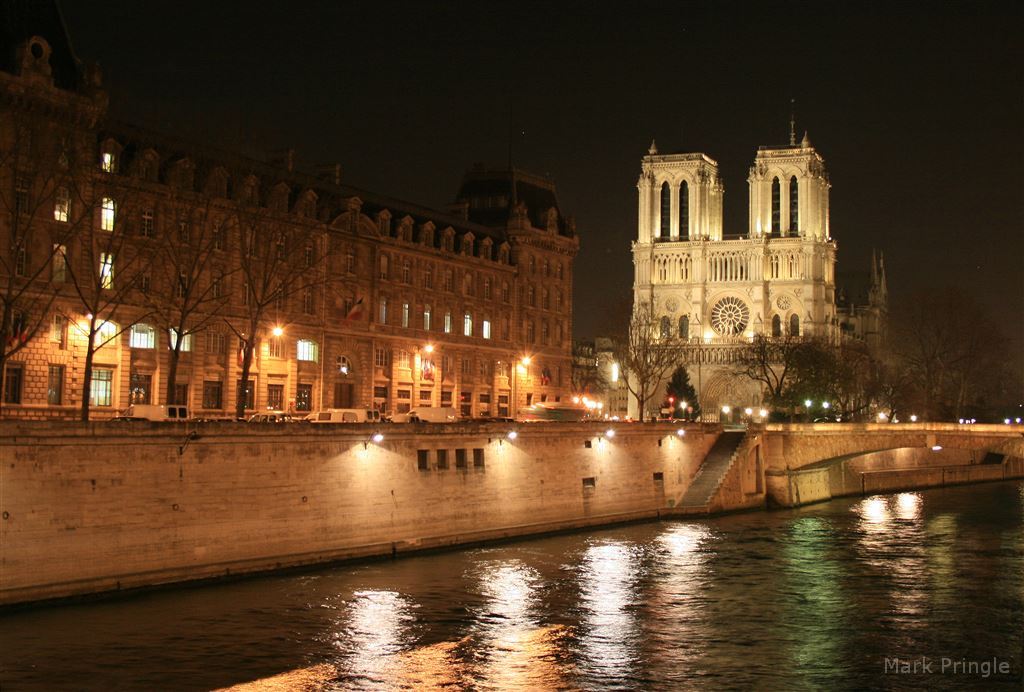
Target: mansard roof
(20, 20)
(489, 195)
(332, 197)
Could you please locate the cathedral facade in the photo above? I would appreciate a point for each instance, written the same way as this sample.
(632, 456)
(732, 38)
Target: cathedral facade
(716, 290)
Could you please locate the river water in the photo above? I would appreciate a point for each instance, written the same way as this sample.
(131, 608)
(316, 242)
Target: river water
(840, 595)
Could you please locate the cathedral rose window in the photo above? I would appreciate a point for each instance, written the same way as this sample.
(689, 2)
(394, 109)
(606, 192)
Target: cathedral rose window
(729, 316)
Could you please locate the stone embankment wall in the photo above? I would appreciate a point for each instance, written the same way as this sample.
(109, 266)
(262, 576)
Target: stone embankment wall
(108, 506)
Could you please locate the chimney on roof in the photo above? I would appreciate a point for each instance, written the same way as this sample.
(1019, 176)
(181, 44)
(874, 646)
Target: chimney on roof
(331, 172)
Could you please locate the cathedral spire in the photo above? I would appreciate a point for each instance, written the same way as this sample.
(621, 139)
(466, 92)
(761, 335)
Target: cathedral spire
(653, 149)
(792, 122)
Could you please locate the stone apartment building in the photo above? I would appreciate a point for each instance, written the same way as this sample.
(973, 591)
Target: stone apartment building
(350, 298)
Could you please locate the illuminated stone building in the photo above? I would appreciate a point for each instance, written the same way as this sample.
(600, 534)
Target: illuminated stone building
(398, 305)
(716, 290)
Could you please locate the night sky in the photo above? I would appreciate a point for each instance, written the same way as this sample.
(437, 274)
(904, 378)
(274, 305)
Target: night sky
(917, 108)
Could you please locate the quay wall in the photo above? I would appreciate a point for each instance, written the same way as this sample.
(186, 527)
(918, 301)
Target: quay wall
(105, 506)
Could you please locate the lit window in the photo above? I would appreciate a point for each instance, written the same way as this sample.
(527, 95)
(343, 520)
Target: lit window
(380, 357)
(142, 336)
(275, 348)
(107, 214)
(487, 329)
(405, 314)
(61, 204)
(186, 341)
(102, 387)
(107, 162)
(467, 324)
(402, 359)
(382, 312)
(307, 350)
(105, 333)
(448, 323)
(426, 317)
(106, 270)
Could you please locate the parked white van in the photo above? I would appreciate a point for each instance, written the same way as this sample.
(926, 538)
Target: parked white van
(345, 415)
(154, 412)
(427, 414)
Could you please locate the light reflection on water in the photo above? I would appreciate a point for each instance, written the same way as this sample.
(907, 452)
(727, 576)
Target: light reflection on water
(608, 572)
(804, 599)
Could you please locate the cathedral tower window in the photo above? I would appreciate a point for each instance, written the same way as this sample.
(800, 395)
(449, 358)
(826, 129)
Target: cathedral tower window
(776, 207)
(666, 211)
(794, 206)
(684, 210)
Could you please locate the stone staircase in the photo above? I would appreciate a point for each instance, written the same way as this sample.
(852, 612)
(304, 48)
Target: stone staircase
(712, 471)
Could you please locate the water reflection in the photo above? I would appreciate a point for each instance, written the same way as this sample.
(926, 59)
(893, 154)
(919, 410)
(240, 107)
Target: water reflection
(893, 542)
(377, 625)
(816, 602)
(516, 652)
(608, 573)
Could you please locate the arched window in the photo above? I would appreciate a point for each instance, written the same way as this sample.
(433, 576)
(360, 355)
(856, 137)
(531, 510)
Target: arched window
(684, 324)
(666, 210)
(684, 210)
(794, 206)
(776, 325)
(666, 328)
(776, 207)
(794, 324)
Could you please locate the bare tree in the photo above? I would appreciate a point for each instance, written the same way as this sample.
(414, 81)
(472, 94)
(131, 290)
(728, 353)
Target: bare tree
(41, 173)
(190, 277)
(954, 351)
(645, 359)
(279, 259)
(105, 271)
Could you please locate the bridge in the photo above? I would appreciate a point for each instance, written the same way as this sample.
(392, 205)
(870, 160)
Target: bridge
(794, 464)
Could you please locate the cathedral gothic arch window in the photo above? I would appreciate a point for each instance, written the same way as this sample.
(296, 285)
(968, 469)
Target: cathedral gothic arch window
(794, 206)
(776, 325)
(684, 327)
(794, 325)
(684, 210)
(776, 207)
(666, 211)
(666, 328)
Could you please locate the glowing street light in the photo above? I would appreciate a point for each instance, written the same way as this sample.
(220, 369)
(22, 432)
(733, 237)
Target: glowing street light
(808, 403)
(609, 433)
(278, 331)
(429, 348)
(680, 432)
(913, 417)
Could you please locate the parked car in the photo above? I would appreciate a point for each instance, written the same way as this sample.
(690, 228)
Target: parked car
(272, 417)
(427, 414)
(345, 415)
(154, 412)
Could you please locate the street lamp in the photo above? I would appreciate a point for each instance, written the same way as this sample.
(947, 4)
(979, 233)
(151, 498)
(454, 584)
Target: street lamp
(278, 331)
(521, 365)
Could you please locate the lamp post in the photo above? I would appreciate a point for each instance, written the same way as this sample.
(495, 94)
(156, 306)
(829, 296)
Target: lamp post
(521, 363)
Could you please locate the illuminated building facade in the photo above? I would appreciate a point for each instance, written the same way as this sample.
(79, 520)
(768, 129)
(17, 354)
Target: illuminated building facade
(716, 290)
(378, 302)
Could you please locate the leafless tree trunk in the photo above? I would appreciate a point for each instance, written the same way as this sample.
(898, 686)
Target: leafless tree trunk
(644, 359)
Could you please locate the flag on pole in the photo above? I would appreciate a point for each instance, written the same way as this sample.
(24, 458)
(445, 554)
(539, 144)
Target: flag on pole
(356, 311)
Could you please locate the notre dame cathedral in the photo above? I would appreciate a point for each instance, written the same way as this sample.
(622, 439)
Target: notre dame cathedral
(716, 290)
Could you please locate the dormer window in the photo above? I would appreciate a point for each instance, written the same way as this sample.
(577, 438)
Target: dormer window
(107, 162)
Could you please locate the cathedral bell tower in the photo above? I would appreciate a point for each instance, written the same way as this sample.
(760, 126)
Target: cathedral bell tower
(789, 192)
(680, 198)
